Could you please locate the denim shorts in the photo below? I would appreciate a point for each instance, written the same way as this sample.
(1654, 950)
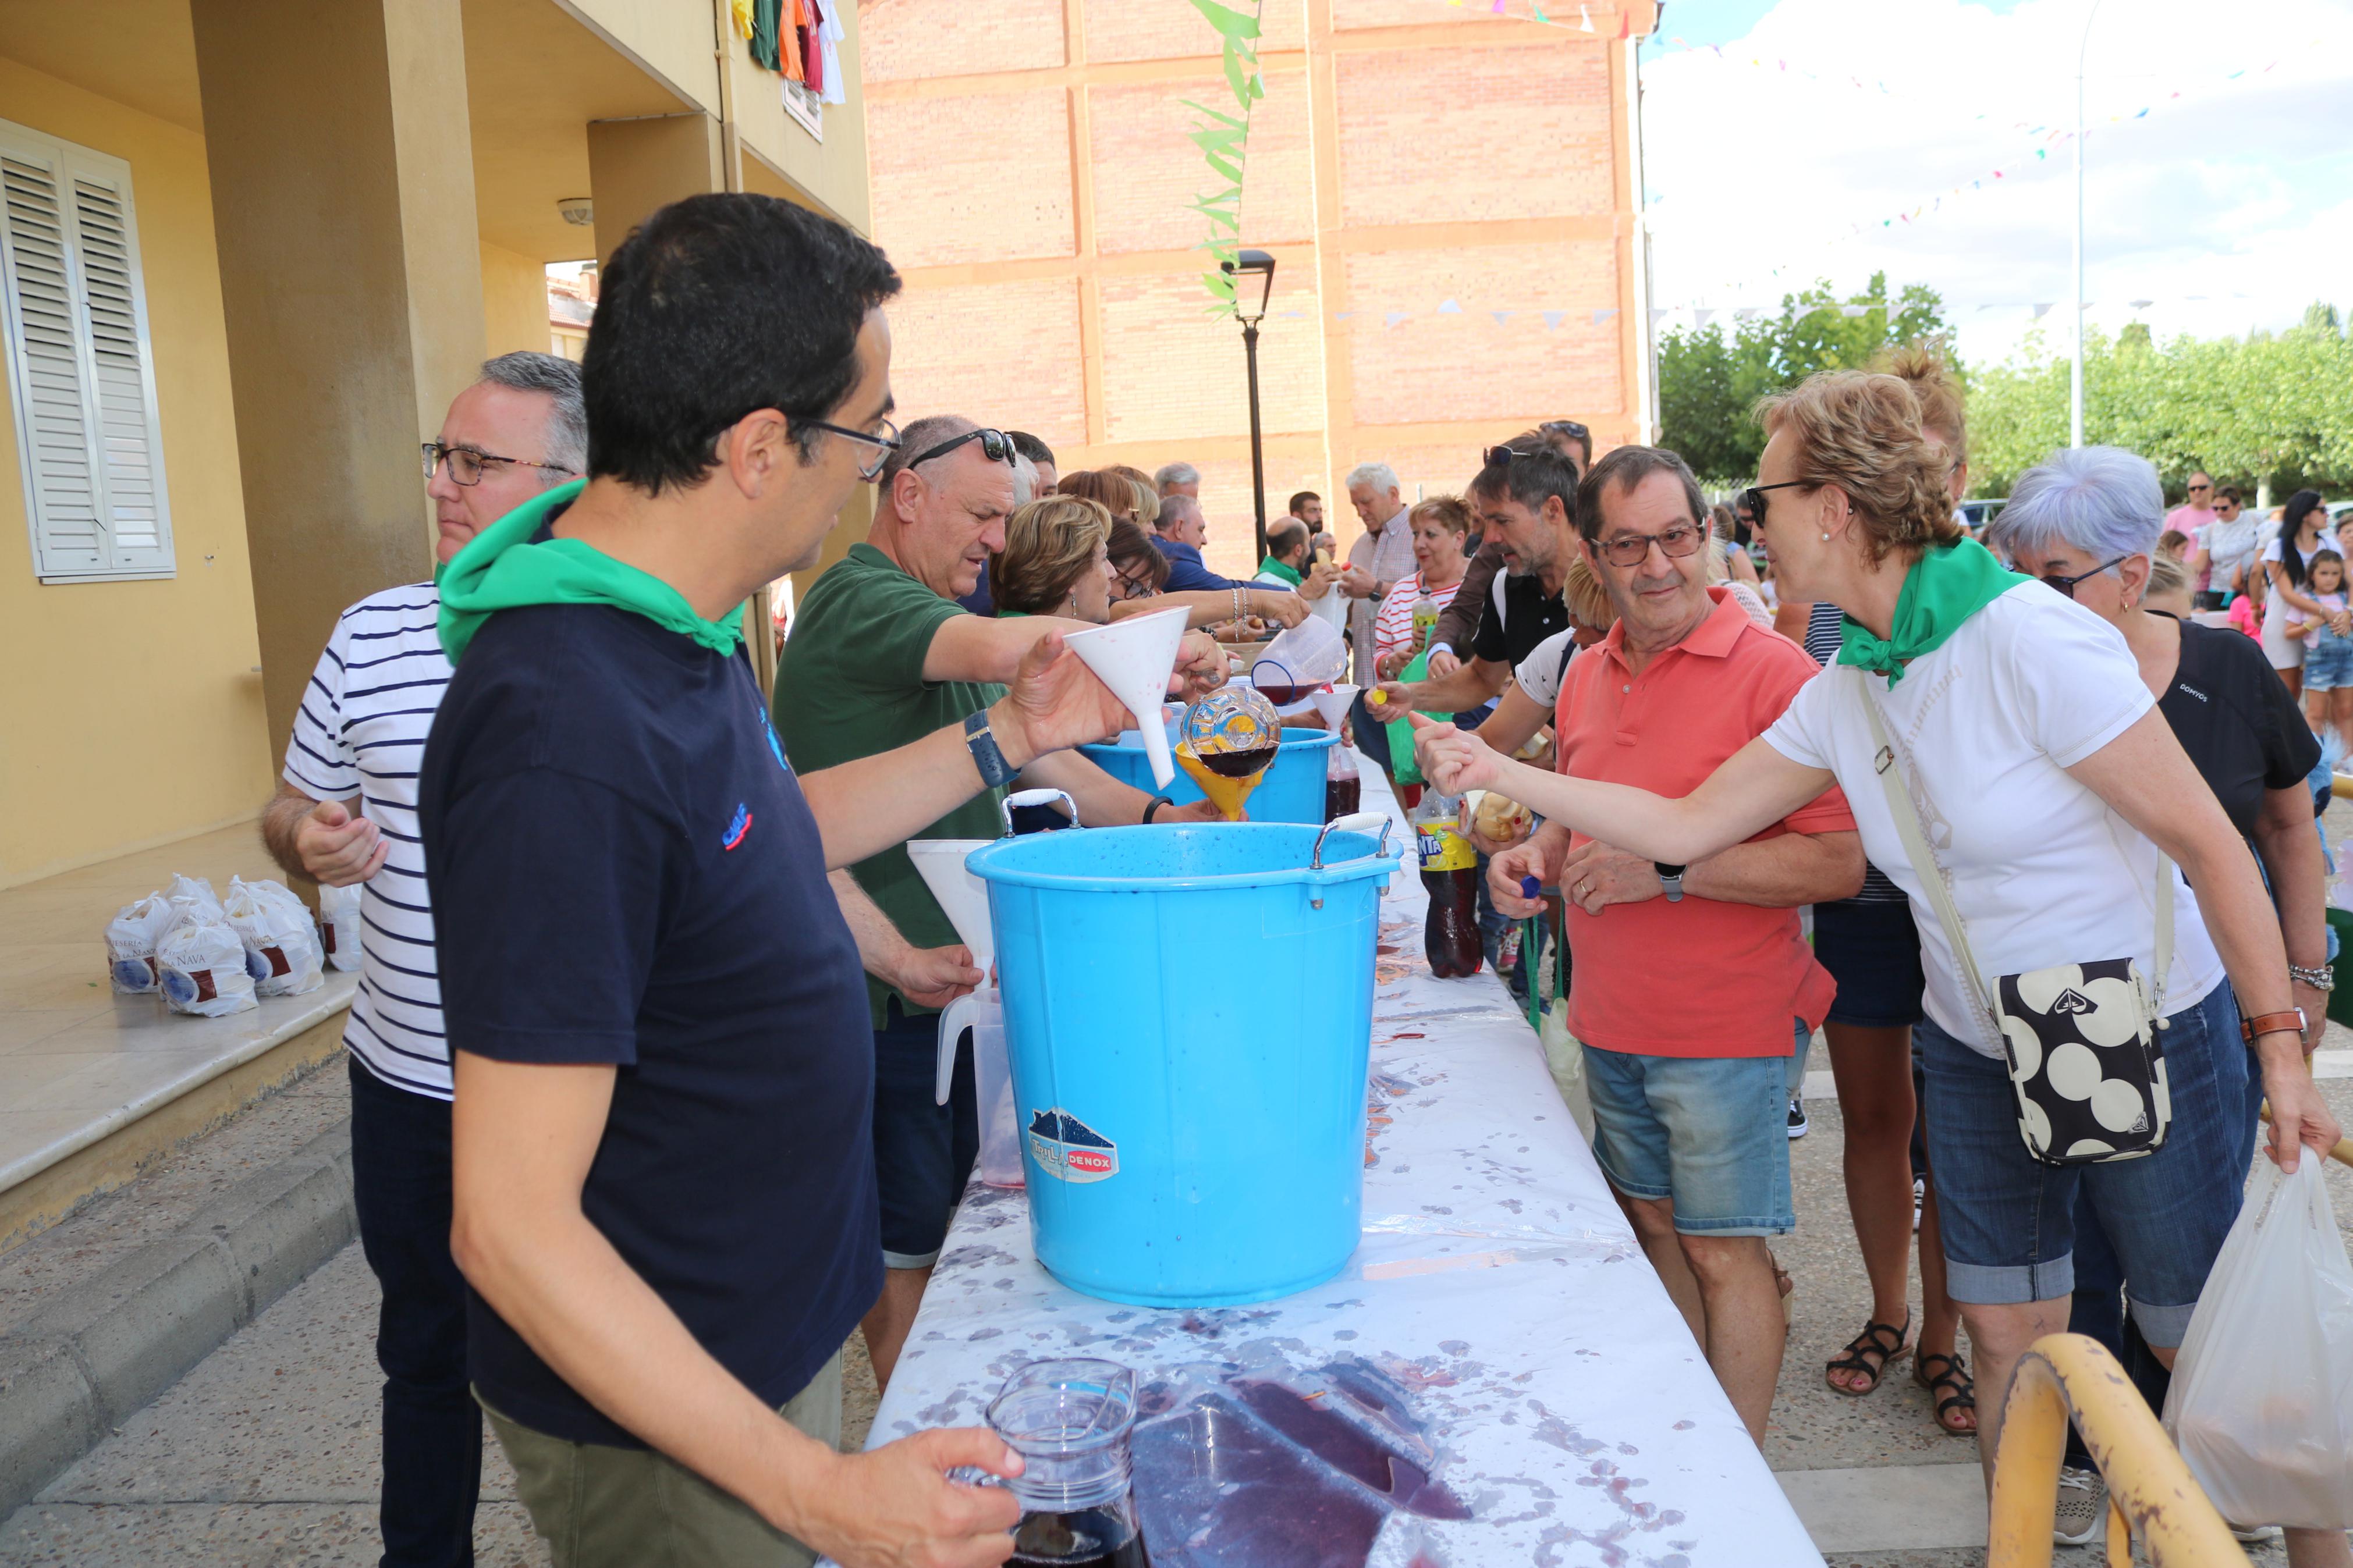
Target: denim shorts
(1872, 951)
(2008, 1219)
(2329, 666)
(1710, 1134)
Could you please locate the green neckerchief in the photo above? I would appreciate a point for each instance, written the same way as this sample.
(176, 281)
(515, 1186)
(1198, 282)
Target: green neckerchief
(1271, 567)
(503, 570)
(1012, 615)
(1946, 585)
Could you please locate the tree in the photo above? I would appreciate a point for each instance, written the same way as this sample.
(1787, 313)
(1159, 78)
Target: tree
(1709, 380)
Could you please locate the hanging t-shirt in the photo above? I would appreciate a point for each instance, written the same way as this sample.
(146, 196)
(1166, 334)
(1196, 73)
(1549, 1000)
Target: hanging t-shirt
(1984, 728)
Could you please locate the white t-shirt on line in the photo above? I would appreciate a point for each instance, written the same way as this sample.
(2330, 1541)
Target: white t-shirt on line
(1985, 727)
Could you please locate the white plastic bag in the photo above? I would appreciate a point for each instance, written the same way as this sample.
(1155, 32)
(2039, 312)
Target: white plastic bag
(339, 925)
(278, 941)
(194, 890)
(2262, 1405)
(202, 964)
(130, 938)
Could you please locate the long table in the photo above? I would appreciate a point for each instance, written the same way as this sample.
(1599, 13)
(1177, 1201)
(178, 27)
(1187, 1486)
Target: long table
(1555, 1388)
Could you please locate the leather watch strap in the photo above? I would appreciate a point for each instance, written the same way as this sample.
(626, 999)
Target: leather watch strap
(2288, 1022)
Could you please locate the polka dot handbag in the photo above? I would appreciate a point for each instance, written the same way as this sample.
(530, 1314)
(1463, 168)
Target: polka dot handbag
(2080, 1039)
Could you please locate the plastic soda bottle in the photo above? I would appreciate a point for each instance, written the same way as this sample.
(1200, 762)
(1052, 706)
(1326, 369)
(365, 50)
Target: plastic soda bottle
(1425, 623)
(1450, 875)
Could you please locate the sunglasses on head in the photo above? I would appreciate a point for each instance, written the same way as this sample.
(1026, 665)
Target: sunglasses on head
(995, 445)
(1491, 455)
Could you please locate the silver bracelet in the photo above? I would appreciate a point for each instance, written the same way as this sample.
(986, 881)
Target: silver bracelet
(2323, 978)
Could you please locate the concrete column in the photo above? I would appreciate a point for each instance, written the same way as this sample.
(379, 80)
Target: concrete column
(342, 190)
(636, 166)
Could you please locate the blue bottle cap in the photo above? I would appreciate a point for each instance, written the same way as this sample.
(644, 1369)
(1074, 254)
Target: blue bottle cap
(1531, 886)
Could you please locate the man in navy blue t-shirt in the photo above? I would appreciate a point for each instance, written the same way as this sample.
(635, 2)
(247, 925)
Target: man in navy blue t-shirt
(663, 1174)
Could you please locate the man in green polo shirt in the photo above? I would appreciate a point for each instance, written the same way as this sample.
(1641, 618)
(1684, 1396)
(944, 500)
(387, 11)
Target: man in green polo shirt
(881, 654)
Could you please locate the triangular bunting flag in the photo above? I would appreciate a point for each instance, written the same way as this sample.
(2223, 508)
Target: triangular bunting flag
(1449, 309)
(1747, 313)
(1393, 318)
(2041, 311)
(1342, 315)
(1552, 319)
(1602, 316)
(1657, 316)
(1501, 316)
(1702, 318)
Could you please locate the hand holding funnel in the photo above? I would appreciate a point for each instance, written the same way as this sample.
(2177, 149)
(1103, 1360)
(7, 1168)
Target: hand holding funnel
(1332, 705)
(1133, 658)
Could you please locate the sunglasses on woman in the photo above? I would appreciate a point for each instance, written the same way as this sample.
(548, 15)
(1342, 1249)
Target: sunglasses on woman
(2067, 585)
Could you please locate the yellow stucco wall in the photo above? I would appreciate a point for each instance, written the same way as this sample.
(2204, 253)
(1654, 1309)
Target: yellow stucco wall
(514, 303)
(132, 714)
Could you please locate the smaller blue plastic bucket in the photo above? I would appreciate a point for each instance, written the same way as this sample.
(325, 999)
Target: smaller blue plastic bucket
(1292, 791)
(1193, 1118)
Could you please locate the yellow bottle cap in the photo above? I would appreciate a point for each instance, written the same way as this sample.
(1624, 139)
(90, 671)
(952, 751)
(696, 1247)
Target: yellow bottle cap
(1379, 698)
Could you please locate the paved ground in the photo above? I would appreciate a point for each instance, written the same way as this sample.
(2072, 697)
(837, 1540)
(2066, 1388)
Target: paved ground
(265, 1454)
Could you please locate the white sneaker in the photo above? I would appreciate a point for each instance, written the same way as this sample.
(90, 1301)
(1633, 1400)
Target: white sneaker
(2083, 1507)
(2253, 1534)
(1919, 1198)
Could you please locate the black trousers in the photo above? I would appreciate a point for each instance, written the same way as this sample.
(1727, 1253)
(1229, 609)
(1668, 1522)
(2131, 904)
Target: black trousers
(432, 1428)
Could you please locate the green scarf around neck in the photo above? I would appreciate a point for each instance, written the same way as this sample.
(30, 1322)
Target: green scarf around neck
(502, 569)
(1950, 584)
(1271, 567)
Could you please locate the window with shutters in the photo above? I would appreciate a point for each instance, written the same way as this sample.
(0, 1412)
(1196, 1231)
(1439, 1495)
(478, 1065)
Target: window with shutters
(82, 374)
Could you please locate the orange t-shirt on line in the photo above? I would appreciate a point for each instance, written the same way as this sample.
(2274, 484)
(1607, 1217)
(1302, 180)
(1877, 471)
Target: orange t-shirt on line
(1697, 978)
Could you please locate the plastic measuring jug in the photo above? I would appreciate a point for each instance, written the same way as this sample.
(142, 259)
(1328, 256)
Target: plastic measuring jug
(1070, 1422)
(1134, 658)
(1299, 660)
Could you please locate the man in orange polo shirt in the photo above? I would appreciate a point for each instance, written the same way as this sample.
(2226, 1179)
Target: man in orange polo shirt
(1689, 980)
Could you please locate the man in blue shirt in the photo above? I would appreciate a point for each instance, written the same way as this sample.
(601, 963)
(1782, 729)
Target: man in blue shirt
(1182, 530)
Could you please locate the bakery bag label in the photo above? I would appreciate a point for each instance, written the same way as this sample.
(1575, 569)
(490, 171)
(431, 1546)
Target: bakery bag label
(1067, 1149)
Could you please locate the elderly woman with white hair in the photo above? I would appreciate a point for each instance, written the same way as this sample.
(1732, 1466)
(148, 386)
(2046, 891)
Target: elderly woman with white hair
(2008, 770)
(2087, 523)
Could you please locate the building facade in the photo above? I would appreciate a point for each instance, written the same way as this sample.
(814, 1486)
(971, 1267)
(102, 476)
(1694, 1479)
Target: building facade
(1451, 197)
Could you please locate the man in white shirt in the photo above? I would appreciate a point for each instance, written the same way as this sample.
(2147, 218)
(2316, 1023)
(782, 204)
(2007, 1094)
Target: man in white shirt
(345, 813)
(1378, 560)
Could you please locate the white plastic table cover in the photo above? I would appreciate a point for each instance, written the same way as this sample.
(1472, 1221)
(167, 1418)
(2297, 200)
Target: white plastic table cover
(1497, 1283)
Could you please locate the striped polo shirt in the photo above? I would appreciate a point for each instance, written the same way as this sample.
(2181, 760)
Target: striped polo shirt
(360, 732)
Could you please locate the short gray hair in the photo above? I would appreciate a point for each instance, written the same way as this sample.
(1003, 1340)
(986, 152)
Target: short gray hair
(1025, 480)
(1380, 476)
(919, 437)
(567, 426)
(1175, 510)
(1174, 474)
(2103, 500)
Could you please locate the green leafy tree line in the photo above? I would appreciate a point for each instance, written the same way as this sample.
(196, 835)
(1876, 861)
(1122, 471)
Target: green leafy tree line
(2273, 409)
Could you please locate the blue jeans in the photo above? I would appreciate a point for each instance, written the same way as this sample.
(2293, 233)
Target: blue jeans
(2328, 664)
(1708, 1134)
(2009, 1220)
(432, 1428)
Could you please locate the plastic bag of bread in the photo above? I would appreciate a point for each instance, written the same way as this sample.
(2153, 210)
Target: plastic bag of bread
(2262, 1403)
(279, 940)
(130, 938)
(201, 964)
(339, 925)
(1494, 817)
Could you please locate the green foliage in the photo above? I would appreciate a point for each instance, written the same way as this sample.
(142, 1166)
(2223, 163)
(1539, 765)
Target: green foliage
(1710, 379)
(2268, 407)
(1224, 141)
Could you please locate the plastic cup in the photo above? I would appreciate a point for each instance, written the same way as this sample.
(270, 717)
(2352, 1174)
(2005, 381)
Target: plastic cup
(1069, 1420)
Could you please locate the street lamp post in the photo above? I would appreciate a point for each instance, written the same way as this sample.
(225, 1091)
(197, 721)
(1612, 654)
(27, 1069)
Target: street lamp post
(1259, 267)
(2075, 379)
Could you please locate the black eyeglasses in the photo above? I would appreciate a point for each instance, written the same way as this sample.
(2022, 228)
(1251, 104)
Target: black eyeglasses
(2067, 585)
(1569, 427)
(883, 445)
(1491, 455)
(1632, 549)
(1752, 499)
(995, 445)
(468, 466)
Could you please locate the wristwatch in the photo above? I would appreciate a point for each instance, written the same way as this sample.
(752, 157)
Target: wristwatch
(1671, 879)
(986, 756)
(2322, 978)
(2288, 1022)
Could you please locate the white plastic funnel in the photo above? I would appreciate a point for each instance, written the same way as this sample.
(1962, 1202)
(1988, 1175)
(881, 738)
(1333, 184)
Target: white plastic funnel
(1334, 705)
(964, 898)
(1134, 658)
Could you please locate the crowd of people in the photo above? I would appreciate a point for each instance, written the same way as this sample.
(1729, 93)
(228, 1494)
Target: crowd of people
(630, 1169)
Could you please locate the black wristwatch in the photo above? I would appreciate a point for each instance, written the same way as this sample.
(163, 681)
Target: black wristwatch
(1152, 805)
(986, 755)
(1671, 879)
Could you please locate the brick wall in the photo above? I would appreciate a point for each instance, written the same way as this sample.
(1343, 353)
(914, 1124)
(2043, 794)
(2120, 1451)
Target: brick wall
(1476, 160)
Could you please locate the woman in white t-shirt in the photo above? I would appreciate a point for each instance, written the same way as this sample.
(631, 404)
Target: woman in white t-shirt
(2285, 560)
(1437, 526)
(2036, 754)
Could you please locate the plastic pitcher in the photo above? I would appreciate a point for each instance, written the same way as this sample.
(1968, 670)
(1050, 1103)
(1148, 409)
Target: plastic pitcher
(1299, 660)
(1195, 1136)
(1291, 791)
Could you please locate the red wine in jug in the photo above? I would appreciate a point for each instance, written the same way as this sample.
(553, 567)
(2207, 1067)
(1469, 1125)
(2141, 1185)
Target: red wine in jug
(1093, 1538)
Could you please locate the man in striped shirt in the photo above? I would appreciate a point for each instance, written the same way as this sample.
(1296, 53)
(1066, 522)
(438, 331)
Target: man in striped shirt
(347, 813)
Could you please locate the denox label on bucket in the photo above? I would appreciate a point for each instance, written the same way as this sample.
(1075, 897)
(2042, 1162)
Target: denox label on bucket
(1067, 1149)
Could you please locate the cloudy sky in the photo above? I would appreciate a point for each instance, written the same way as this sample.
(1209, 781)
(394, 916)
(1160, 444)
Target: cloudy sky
(1838, 150)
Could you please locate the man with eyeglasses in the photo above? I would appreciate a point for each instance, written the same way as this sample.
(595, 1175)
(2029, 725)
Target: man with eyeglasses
(882, 653)
(1688, 1082)
(345, 814)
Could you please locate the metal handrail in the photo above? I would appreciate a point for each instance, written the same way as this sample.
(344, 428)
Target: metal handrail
(2150, 1490)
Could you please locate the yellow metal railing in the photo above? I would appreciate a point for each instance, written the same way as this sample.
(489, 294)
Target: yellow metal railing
(2150, 1487)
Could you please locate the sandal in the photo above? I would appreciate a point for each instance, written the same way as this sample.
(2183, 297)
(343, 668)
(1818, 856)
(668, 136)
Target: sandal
(1955, 1376)
(1884, 1340)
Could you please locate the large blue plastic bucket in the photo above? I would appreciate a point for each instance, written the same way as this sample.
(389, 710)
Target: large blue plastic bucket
(1193, 1115)
(1291, 790)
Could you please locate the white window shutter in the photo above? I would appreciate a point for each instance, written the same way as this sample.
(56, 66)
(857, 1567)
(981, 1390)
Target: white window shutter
(82, 369)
